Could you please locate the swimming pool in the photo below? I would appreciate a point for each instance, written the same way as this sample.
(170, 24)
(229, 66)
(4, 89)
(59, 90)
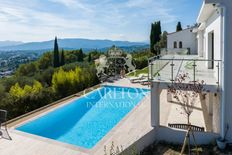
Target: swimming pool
(86, 120)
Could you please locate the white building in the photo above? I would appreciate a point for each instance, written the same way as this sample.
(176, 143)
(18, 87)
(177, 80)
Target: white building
(213, 64)
(214, 43)
(185, 39)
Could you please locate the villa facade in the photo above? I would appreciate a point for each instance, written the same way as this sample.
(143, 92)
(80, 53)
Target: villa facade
(212, 63)
(185, 39)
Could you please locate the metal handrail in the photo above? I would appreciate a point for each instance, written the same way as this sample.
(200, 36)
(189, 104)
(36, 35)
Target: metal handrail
(184, 59)
(157, 57)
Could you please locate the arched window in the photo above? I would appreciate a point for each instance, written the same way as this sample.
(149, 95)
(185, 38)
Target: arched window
(175, 44)
(180, 44)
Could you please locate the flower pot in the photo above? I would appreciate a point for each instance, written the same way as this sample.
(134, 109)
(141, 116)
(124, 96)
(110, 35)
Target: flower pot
(221, 143)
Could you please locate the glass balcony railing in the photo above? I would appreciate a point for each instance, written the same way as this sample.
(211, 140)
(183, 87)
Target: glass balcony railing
(167, 67)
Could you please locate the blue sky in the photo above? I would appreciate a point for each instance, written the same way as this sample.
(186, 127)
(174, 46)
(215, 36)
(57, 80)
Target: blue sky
(38, 20)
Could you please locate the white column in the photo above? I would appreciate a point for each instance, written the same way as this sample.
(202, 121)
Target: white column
(155, 104)
(209, 103)
(216, 114)
(200, 44)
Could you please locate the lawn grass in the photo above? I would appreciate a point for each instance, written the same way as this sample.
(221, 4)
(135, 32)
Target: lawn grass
(139, 71)
(189, 65)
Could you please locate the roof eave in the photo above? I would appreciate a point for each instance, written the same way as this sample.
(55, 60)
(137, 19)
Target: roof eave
(200, 14)
(206, 10)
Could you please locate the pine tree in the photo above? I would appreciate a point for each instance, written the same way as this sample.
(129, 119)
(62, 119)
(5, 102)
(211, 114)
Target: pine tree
(62, 60)
(81, 55)
(178, 27)
(56, 54)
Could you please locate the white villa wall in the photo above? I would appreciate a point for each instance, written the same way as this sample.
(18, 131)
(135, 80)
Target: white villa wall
(187, 38)
(177, 136)
(220, 22)
(227, 58)
(213, 24)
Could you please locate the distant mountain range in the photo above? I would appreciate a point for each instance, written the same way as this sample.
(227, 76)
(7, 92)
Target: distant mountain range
(68, 44)
(9, 43)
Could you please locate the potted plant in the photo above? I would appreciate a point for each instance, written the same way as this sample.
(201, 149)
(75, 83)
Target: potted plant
(221, 142)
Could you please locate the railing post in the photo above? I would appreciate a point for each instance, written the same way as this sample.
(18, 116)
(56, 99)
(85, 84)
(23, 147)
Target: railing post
(172, 68)
(218, 78)
(151, 70)
(194, 71)
(148, 66)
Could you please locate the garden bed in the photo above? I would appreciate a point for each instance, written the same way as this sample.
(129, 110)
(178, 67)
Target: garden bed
(163, 148)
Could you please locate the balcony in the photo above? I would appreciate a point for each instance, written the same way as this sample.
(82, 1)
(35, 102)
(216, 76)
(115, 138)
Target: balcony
(164, 70)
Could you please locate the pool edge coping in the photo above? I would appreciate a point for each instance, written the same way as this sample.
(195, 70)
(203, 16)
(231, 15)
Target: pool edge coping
(118, 125)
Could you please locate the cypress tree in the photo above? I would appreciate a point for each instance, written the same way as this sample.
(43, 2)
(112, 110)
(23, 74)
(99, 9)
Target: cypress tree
(89, 57)
(81, 55)
(159, 31)
(178, 27)
(62, 60)
(56, 54)
(155, 35)
(152, 38)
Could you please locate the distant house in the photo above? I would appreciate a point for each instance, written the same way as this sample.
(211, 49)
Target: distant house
(3, 63)
(185, 39)
(6, 73)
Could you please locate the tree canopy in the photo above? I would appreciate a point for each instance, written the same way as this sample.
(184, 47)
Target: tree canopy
(38, 83)
(18, 92)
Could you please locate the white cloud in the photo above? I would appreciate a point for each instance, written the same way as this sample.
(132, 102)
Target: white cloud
(73, 4)
(27, 24)
(139, 3)
(106, 19)
(68, 3)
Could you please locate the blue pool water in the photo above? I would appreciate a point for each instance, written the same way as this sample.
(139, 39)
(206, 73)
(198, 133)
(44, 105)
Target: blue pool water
(85, 121)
